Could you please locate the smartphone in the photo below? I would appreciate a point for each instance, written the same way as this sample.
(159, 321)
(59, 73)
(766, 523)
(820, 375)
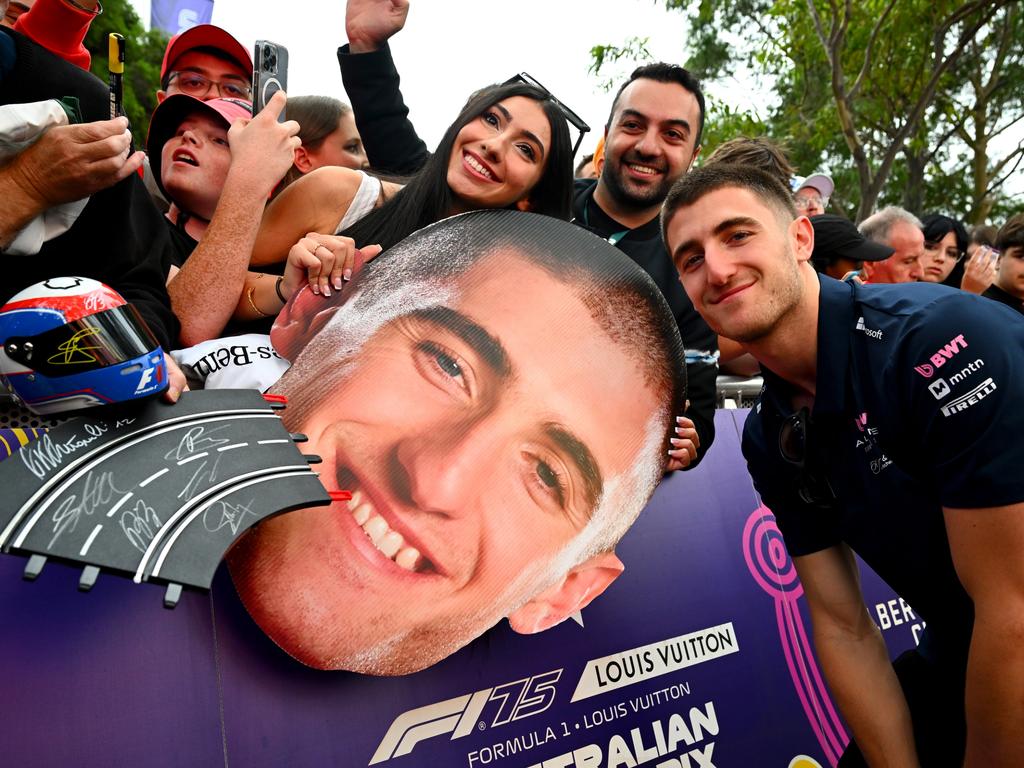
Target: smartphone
(270, 74)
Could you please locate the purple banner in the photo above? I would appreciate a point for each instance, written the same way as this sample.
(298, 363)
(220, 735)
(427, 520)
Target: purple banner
(174, 16)
(699, 655)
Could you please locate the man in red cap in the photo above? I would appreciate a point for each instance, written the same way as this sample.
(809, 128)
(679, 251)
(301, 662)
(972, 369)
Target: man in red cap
(204, 62)
(207, 63)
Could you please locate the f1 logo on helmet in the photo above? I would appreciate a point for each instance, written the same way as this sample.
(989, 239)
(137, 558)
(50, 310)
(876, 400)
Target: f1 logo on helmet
(72, 342)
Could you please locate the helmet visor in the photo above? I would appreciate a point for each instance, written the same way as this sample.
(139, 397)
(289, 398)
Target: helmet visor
(96, 341)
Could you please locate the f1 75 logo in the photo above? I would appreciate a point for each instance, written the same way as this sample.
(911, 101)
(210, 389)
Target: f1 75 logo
(460, 715)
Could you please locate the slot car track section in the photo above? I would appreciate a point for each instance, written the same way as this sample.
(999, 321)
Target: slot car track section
(152, 491)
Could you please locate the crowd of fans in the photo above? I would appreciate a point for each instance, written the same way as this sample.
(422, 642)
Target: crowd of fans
(242, 211)
(226, 215)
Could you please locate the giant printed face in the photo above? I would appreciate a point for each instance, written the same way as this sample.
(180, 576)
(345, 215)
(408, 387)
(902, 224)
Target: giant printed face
(496, 391)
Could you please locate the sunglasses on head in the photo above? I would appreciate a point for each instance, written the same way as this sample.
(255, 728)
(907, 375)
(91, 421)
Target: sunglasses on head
(573, 119)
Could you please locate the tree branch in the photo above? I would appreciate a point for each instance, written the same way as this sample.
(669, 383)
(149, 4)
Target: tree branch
(995, 184)
(866, 65)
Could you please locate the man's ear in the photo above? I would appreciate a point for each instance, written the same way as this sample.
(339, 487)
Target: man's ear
(802, 232)
(160, 96)
(573, 593)
(694, 156)
(869, 270)
(302, 160)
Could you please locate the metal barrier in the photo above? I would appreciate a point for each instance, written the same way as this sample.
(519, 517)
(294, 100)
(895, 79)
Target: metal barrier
(738, 391)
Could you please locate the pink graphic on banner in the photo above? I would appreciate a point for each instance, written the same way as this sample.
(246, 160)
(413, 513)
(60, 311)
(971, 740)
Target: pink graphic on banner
(774, 572)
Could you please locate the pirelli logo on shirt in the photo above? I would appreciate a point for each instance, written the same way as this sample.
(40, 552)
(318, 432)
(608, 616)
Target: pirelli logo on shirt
(976, 395)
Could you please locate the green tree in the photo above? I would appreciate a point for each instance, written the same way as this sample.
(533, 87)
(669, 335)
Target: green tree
(901, 100)
(144, 51)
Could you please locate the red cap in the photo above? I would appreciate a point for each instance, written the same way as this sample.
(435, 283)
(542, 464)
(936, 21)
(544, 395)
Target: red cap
(205, 36)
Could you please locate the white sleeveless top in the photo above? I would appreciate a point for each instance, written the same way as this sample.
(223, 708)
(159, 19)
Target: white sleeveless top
(362, 203)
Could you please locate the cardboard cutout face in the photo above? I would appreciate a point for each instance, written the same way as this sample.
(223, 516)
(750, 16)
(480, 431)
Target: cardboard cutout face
(497, 391)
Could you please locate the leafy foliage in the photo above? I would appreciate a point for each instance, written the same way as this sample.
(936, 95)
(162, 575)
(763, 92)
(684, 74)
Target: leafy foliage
(908, 102)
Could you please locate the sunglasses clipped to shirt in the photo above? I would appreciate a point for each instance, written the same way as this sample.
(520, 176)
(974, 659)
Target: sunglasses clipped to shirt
(794, 438)
(574, 120)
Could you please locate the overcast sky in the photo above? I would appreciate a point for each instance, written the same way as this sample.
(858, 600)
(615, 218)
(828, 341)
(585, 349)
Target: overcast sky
(449, 48)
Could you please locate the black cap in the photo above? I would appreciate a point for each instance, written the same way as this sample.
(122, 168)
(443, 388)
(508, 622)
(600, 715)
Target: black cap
(838, 238)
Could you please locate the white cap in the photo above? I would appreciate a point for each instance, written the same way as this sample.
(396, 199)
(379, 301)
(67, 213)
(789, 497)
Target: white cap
(820, 181)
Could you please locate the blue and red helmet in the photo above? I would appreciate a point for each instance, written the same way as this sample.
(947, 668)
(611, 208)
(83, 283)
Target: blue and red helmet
(72, 342)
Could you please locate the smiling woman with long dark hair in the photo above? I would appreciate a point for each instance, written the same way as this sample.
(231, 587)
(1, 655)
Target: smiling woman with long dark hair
(508, 148)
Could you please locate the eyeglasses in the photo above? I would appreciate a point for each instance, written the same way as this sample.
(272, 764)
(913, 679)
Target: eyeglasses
(936, 249)
(195, 84)
(803, 202)
(814, 487)
(575, 120)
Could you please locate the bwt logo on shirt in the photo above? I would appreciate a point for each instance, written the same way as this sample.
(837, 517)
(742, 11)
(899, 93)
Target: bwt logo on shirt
(949, 351)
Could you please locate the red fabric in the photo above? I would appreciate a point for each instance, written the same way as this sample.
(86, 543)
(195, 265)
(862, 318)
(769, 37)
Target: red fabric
(58, 27)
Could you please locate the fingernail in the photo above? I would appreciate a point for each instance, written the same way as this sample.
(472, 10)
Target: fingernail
(675, 441)
(174, 393)
(679, 419)
(337, 283)
(347, 275)
(327, 291)
(316, 289)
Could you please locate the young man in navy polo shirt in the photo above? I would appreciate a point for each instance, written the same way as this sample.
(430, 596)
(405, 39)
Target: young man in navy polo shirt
(890, 425)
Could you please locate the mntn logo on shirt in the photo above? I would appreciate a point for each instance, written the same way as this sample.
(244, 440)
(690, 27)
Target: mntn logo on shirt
(976, 395)
(939, 389)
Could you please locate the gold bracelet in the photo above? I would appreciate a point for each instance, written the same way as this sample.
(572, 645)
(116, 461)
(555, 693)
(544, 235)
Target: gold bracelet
(248, 295)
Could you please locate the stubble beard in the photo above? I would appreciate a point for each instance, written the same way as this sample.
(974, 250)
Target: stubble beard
(628, 198)
(782, 296)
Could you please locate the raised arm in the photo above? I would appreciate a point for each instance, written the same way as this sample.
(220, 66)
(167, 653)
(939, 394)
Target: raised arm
(987, 546)
(373, 86)
(854, 658)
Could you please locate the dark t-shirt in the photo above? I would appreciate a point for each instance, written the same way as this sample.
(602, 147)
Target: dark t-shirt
(182, 243)
(182, 246)
(917, 407)
(996, 293)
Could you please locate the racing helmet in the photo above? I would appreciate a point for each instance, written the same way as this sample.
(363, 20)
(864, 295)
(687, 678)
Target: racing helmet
(71, 342)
